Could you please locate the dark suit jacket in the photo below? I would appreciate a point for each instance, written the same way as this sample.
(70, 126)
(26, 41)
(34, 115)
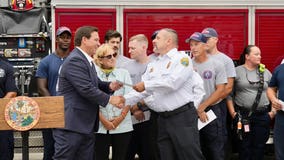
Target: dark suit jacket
(83, 93)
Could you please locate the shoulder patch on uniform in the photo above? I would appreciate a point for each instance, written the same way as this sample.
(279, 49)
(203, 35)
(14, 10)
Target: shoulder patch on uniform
(184, 61)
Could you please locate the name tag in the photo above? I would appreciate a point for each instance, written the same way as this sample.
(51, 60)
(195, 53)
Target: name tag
(246, 128)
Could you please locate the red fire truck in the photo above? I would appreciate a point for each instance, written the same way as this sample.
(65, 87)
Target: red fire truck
(238, 22)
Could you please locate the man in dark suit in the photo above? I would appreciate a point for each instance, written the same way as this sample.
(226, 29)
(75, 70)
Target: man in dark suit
(83, 94)
(47, 75)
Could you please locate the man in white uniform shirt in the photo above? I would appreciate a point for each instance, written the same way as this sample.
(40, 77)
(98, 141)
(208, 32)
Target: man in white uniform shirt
(167, 86)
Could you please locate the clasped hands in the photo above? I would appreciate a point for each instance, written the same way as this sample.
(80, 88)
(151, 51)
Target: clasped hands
(111, 124)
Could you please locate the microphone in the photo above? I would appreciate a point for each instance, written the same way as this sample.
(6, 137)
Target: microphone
(29, 75)
(16, 75)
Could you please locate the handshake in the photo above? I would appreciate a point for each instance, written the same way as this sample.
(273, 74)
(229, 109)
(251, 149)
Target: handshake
(118, 101)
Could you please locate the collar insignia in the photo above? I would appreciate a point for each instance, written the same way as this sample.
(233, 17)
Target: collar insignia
(151, 70)
(169, 64)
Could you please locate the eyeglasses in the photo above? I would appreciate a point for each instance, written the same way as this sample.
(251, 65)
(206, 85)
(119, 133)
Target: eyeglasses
(109, 56)
(252, 82)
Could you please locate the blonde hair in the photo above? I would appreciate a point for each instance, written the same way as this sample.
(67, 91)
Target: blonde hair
(140, 38)
(100, 52)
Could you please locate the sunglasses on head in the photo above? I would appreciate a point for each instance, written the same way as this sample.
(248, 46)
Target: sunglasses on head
(109, 56)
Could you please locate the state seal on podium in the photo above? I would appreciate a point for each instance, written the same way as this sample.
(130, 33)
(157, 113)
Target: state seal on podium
(22, 113)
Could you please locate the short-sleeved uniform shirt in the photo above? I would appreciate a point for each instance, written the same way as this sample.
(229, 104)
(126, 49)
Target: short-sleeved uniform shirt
(213, 73)
(7, 81)
(228, 63)
(246, 87)
(48, 68)
(277, 80)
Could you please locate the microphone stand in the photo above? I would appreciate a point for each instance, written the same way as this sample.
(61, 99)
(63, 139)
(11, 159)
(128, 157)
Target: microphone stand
(22, 81)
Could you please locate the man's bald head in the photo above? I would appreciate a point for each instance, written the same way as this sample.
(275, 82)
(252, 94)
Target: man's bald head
(165, 40)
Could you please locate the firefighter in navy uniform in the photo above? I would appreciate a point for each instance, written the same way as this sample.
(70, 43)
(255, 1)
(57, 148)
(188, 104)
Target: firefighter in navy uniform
(8, 89)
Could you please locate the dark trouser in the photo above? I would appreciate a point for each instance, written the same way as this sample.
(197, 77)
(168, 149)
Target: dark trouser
(178, 137)
(224, 113)
(253, 144)
(212, 138)
(229, 138)
(71, 145)
(141, 142)
(119, 143)
(231, 146)
(278, 135)
(6, 145)
(48, 144)
(154, 134)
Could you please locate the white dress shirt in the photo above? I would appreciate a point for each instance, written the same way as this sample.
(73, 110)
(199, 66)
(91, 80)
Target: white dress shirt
(168, 83)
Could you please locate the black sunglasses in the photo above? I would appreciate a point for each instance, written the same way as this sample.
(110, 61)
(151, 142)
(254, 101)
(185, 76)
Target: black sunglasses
(252, 82)
(109, 56)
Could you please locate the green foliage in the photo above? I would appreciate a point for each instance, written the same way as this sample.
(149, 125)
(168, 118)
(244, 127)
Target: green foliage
(27, 121)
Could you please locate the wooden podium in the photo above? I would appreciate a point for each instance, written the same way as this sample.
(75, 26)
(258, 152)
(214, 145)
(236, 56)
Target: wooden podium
(51, 116)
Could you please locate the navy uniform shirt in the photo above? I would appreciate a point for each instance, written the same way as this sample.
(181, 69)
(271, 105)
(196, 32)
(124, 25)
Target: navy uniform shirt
(48, 69)
(7, 81)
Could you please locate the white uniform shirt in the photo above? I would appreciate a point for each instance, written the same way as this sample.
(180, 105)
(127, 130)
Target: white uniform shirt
(197, 89)
(168, 83)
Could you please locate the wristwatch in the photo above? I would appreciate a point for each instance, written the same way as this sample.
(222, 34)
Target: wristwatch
(140, 106)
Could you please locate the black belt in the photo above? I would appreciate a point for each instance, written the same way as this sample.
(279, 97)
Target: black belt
(176, 111)
(259, 110)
